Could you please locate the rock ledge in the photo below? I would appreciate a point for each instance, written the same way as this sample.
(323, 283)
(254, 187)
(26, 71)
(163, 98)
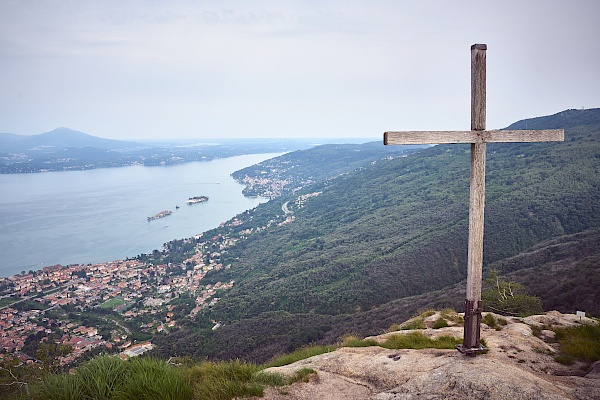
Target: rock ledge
(519, 365)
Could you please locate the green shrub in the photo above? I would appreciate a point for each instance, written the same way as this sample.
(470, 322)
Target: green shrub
(509, 297)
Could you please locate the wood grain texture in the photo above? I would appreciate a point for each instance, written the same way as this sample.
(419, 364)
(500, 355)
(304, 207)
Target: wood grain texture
(478, 87)
(494, 136)
(476, 216)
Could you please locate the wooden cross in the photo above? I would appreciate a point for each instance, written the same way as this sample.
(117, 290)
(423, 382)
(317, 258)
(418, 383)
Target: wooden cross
(478, 137)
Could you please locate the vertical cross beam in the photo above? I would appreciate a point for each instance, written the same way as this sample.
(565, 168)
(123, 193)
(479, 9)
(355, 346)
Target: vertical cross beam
(471, 344)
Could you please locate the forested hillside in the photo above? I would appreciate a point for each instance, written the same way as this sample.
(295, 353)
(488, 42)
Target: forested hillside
(292, 171)
(357, 249)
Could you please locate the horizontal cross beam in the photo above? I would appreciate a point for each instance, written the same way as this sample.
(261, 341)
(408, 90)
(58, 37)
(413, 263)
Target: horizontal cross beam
(493, 136)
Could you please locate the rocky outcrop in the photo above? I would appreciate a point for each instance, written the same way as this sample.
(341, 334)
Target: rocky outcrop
(519, 365)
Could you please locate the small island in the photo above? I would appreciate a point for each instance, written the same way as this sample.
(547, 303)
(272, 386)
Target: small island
(196, 199)
(161, 214)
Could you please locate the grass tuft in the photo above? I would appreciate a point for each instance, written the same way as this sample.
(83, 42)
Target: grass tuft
(580, 342)
(394, 328)
(353, 341)
(413, 340)
(440, 323)
(108, 377)
(564, 359)
(101, 377)
(414, 323)
(427, 313)
(303, 375)
(489, 320)
(230, 379)
(300, 354)
(417, 340)
(154, 379)
(56, 387)
(449, 314)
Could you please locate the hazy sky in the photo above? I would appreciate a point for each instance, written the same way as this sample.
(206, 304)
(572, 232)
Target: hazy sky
(337, 68)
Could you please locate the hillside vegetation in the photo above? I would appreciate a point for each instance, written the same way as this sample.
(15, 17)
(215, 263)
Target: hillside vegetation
(292, 171)
(392, 232)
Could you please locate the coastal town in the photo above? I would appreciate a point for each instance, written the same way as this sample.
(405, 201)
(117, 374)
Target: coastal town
(115, 306)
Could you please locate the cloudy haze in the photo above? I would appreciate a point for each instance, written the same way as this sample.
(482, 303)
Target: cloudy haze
(157, 69)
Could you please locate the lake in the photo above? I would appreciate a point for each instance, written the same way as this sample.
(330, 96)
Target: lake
(101, 215)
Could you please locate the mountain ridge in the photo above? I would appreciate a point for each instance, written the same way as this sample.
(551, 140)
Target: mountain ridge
(560, 120)
(393, 230)
(65, 149)
(62, 138)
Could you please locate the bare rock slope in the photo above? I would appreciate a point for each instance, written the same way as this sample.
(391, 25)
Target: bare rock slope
(519, 365)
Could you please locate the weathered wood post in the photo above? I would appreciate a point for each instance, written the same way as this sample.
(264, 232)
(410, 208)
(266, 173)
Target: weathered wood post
(471, 343)
(477, 137)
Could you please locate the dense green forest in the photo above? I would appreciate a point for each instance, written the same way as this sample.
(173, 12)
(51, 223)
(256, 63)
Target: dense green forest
(374, 246)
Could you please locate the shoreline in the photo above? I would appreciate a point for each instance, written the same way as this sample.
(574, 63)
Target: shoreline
(82, 221)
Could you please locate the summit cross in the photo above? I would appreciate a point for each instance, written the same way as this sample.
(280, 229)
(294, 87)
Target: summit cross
(477, 137)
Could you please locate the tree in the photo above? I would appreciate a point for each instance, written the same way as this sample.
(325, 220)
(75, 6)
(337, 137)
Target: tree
(48, 353)
(509, 297)
(15, 376)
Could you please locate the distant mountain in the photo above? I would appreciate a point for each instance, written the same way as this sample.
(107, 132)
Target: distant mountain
(397, 230)
(65, 149)
(58, 139)
(7, 138)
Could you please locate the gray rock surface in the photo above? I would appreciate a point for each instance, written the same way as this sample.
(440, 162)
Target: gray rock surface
(519, 365)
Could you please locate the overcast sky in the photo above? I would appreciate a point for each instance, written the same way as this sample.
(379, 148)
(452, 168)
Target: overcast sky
(337, 68)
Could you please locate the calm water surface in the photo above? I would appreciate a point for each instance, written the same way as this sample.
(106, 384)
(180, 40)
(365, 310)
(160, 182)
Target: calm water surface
(100, 215)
